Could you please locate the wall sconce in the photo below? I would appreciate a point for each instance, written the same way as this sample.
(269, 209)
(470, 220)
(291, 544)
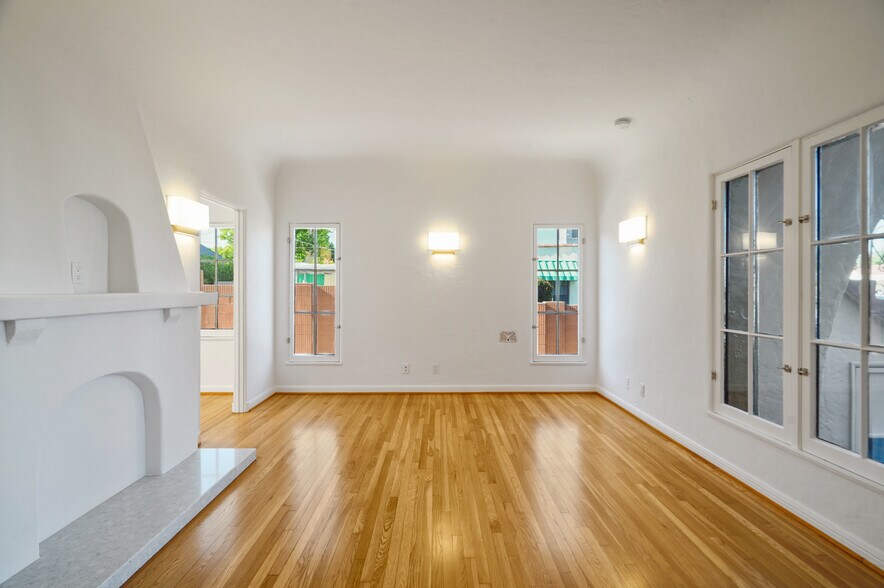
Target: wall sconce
(441, 242)
(634, 230)
(187, 216)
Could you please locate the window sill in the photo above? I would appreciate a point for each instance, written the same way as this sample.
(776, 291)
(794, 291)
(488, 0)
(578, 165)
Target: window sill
(555, 362)
(220, 334)
(313, 362)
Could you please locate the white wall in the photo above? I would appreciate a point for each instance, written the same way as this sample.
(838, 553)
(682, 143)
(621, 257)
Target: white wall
(220, 215)
(188, 166)
(400, 304)
(81, 467)
(70, 129)
(216, 363)
(86, 232)
(656, 323)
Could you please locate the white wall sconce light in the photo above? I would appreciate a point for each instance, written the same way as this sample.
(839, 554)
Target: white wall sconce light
(187, 216)
(634, 230)
(443, 242)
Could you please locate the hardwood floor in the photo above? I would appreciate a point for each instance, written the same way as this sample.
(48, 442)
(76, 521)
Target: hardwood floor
(480, 489)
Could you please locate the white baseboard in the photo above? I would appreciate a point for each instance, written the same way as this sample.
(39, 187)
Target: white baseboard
(431, 388)
(865, 550)
(250, 404)
(217, 388)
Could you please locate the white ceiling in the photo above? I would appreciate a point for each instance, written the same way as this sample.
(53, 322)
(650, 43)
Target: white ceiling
(328, 77)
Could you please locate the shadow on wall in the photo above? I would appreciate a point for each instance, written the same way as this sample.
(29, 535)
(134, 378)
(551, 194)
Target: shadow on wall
(100, 438)
(98, 239)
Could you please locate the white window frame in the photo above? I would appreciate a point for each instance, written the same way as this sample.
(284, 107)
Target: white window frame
(294, 359)
(787, 433)
(856, 463)
(223, 334)
(537, 359)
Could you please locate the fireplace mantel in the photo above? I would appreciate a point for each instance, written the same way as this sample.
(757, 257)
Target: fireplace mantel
(62, 356)
(15, 307)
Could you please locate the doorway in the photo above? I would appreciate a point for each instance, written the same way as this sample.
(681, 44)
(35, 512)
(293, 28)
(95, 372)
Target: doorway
(221, 270)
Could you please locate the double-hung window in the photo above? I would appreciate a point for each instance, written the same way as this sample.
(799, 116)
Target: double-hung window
(557, 303)
(799, 338)
(315, 254)
(216, 275)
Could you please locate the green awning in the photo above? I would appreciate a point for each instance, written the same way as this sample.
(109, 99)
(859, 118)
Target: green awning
(546, 270)
(307, 278)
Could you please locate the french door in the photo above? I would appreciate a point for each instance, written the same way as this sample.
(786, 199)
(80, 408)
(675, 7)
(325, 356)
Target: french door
(799, 295)
(843, 304)
(757, 248)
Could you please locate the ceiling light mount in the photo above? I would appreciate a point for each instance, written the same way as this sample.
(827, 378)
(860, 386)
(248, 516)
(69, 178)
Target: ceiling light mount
(623, 123)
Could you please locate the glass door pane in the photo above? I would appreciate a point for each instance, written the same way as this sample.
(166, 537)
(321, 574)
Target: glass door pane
(767, 383)
(838, 278)
(736, 299)
(769, 207)
(838, 387)
(769, 293)
(736, 371)
(753, 291)
(736, 206)
(838, 188)
(876, 407)
(841, 308)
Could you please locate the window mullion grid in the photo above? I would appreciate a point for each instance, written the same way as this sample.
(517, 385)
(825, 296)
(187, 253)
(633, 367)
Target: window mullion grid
(751, 298)
(722, 275)
(558, 293)
(215, 265)
(863, 400)
(773, 250)
(315, 316)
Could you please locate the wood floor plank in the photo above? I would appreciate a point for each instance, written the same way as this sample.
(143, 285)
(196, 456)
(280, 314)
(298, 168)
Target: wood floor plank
(480, 490)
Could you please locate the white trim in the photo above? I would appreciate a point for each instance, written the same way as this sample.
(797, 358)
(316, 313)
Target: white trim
(866, 550)
(788, 432)
(260, 398)
(240, 354)
(400, 388)
(577, 359)
(293, 359)
(547, 362)
(806, 456)
(240, 381)
(15, 307)
(216, 334)
(215, 388)
(855, 462)
(314, 360)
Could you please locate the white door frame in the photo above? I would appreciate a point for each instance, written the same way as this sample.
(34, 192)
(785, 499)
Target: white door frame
(239, 302)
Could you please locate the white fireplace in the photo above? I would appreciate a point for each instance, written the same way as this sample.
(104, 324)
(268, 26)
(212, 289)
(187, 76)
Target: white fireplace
(97, 391)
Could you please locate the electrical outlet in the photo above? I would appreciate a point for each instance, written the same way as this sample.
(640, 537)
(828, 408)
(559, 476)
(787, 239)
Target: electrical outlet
(641, 390)
(435, 368)
(77, 272)
(406, 369)
(627, 382)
